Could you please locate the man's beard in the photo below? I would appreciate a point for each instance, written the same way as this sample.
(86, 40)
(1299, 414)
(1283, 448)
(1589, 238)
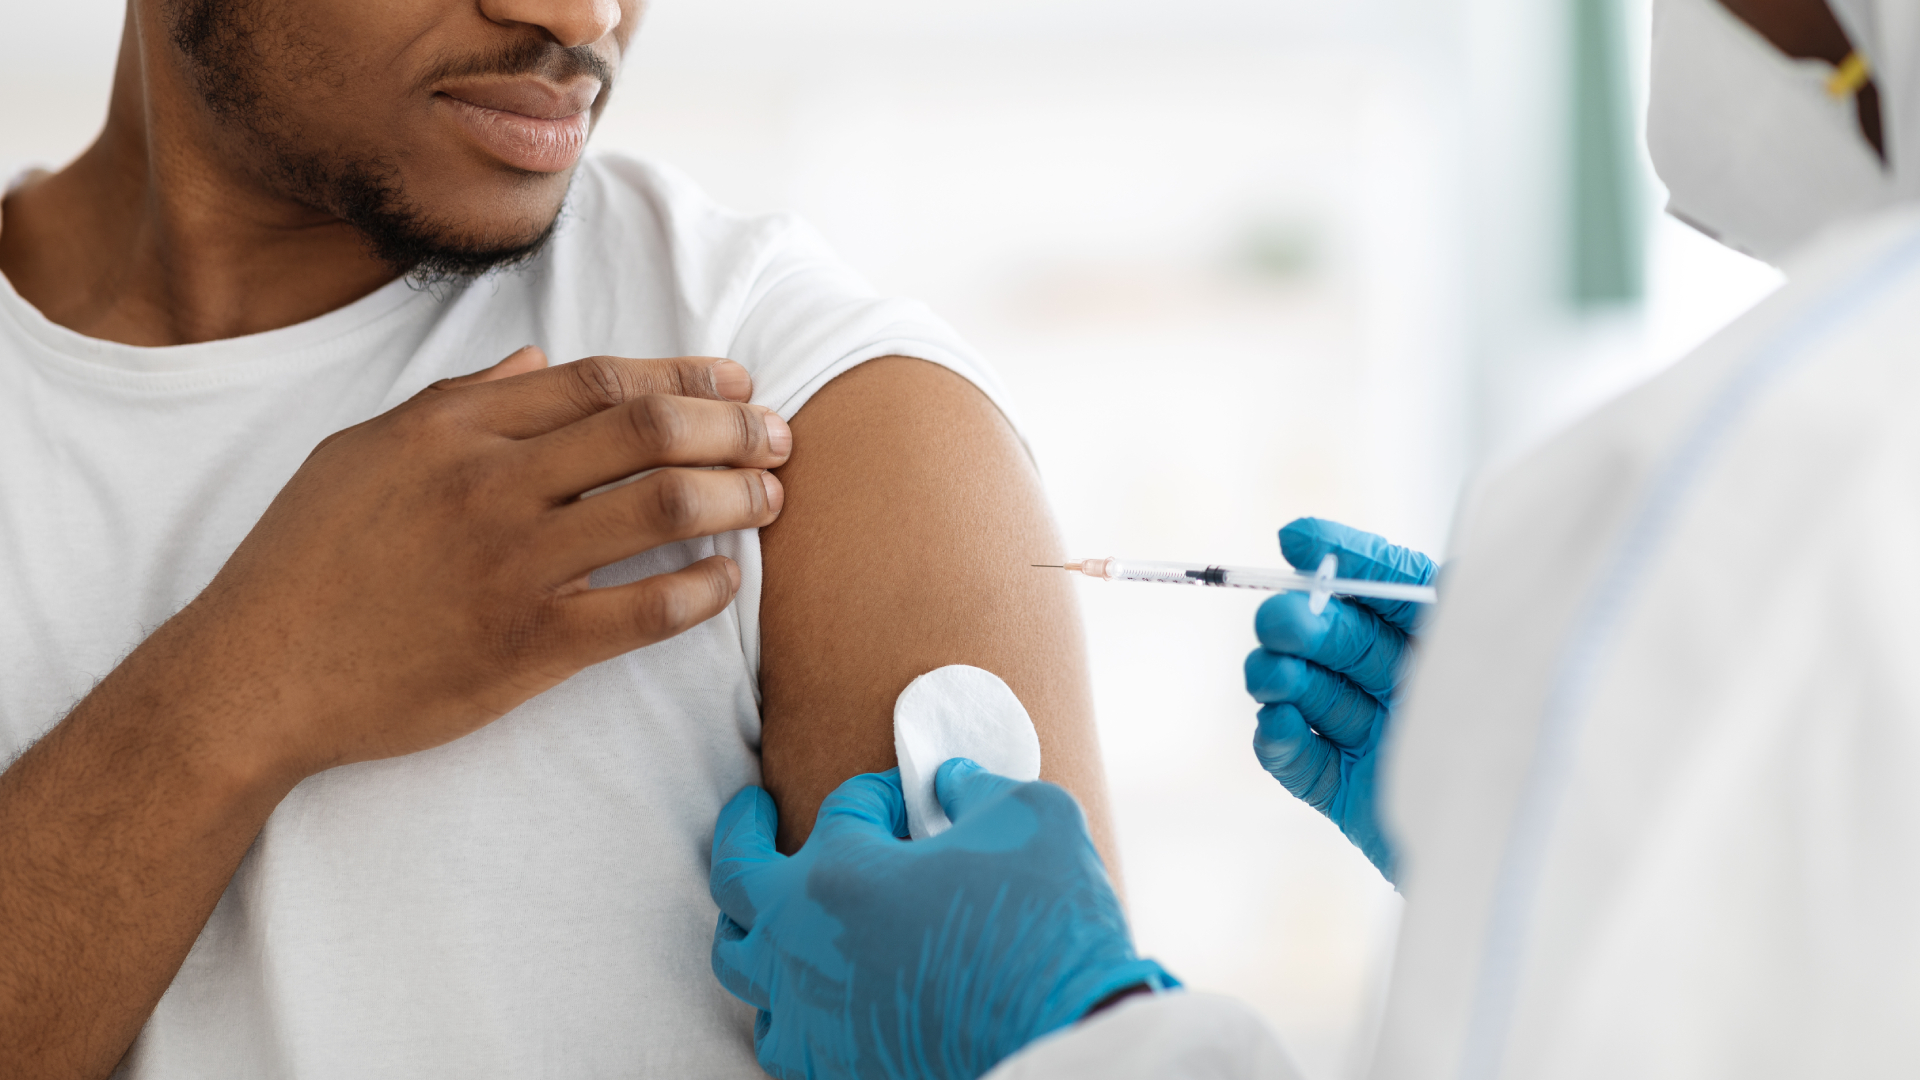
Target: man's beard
(223, 43)
(367, 195)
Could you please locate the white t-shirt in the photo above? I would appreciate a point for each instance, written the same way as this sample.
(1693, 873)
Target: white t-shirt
(530, 900)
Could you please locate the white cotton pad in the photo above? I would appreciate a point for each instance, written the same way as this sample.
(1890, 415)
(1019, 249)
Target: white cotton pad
(958, 711)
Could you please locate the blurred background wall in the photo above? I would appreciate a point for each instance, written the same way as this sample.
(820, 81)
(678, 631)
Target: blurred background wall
(1239, 261)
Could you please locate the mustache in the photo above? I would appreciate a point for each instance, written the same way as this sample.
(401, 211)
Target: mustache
(530, 56)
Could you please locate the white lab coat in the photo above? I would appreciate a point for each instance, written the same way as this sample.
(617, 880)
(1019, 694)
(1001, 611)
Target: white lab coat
(1656, 789)
(1172, 1036)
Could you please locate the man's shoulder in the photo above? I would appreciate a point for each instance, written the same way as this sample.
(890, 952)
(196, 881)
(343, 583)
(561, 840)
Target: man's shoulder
(633, 211)
(646, 260)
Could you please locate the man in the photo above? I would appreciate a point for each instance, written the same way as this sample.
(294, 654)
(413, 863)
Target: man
(342, 761)
(1652, 801)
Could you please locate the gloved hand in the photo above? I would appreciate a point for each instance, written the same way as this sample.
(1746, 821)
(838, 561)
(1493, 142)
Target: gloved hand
(1328, 680)
(869, 955)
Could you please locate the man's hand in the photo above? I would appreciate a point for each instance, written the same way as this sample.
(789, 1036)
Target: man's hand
(420, 575)
(1327, 680)
(868, 955)
(426, 571)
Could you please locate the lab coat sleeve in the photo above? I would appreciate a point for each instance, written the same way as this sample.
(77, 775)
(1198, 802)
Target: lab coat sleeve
(1169, 1036)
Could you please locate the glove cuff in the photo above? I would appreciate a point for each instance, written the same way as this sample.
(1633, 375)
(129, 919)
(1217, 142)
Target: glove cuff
(1142, 972)
(1070, 1007)
(1073, 1003)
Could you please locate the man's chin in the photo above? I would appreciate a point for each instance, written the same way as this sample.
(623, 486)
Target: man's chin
(429, 261)
(419, 228)
(429, 250)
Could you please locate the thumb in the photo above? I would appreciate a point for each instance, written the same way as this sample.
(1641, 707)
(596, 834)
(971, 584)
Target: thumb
(962, 787)
(1364, 555)
(518, 362)
(742, 845)
(871, 803)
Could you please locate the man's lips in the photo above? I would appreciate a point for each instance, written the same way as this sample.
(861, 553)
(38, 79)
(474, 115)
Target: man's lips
(525, 122)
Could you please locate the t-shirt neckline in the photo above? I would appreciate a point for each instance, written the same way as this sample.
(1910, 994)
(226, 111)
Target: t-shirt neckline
(157, 359)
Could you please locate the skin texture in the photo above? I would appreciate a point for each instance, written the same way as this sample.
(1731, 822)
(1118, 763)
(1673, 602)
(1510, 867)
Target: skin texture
(1808, 30)
(905, 547)
(424, 572)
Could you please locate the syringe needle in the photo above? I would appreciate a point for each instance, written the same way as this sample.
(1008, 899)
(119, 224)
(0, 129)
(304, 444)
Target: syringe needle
(1047, 566)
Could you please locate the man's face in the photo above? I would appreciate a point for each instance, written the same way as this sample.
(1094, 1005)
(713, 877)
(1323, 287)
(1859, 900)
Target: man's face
(445, 131)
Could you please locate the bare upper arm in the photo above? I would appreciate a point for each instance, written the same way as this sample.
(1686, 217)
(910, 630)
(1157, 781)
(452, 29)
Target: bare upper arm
(911, 518)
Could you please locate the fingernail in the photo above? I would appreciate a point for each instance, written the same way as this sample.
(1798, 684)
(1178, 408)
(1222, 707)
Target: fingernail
(776, 491)
(733, 572)
(779, 435)
(731, 381)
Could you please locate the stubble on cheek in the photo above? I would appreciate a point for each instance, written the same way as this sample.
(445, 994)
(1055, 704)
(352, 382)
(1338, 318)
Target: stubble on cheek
(265, 79)
(285, 93)
(249, 60)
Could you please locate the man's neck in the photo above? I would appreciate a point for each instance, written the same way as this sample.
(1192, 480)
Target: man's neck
(146, 239)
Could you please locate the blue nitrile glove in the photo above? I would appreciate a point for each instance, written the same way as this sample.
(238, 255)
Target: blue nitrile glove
(869, 955)
(1328, 680)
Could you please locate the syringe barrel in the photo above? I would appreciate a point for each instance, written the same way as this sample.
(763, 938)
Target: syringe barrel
(1165, 572)
(1230, 577)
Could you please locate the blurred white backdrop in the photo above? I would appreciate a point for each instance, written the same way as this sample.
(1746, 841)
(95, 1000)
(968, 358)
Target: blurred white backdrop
(1237, 260)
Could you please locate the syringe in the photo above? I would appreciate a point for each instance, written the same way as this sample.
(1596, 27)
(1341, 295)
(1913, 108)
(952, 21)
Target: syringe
(1319, 585)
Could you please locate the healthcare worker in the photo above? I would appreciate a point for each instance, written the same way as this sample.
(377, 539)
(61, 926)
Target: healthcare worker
(1653, 796)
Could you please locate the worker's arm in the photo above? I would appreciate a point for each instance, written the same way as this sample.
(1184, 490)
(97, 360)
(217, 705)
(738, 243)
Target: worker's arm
(1150, 1037)
(996, 945)
(914, 514)
(420, 575)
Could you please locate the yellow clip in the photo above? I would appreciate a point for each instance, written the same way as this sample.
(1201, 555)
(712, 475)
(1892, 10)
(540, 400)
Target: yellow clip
(1852, 74)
